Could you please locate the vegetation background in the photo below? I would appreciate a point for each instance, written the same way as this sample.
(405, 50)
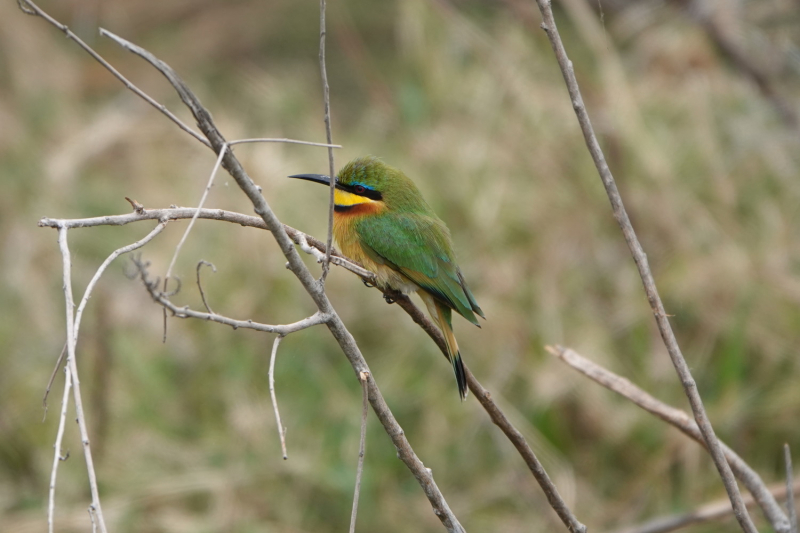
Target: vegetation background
(466, 97)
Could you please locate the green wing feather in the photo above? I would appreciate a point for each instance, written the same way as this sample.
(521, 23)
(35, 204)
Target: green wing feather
(418, 246)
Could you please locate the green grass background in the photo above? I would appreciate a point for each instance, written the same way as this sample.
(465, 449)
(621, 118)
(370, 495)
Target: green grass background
(465, 97)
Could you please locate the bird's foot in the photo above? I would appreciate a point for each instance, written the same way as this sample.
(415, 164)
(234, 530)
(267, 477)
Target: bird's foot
(389, 299)
(367, 283)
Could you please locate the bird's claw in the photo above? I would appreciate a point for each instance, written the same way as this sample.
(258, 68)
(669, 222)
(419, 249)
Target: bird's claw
(367, 283)
(389, 299)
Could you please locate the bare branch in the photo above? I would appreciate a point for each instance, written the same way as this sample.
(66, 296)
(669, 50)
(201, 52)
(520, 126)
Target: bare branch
(307, 243)
(361, 448)
(287, 141)
(682, 421)
(73, 369)
(621, 216)
(706, 513)
(281, 431)
(57, 457)
(200, 285)
(790, 503)
(222, 153)
(52, 378)
(326, 95)
(102, 268)
(162, 298)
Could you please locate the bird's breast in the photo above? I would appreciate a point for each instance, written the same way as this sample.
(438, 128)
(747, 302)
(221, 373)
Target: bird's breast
(349, 243)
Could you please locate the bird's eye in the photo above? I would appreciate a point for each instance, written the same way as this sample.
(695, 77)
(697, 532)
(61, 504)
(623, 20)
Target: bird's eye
(360, 189)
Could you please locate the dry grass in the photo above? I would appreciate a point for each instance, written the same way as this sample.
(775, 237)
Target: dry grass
(469, 102)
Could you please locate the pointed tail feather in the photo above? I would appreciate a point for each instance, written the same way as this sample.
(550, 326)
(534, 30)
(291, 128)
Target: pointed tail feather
(444, 315)
(461, 376)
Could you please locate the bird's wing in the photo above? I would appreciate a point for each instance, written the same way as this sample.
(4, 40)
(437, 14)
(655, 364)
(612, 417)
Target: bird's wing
(419, 247)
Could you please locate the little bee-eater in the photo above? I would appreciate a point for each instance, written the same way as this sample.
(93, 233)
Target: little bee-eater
(381, 220)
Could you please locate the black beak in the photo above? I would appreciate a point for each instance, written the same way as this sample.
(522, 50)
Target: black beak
(318, 178)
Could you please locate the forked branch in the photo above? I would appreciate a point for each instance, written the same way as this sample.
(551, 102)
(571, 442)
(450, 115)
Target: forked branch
(682, 421)
(640, 258)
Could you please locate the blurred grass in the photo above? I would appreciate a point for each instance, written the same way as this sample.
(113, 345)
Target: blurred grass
(467, 99)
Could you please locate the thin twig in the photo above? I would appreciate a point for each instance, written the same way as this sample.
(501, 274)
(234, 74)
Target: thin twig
(210, 183)
(184, 312)
(72, 365)
(705, 513)
(790, 503)
(306, 242)
(102, 268)
(52, 378)
(200, 285)
(326, 94)
(363, 377)
(57, 457)
(678, 361)
(287, 141)
(281, 431)
(682, 421)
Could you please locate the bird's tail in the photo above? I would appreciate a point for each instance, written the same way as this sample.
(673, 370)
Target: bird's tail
(444, 317)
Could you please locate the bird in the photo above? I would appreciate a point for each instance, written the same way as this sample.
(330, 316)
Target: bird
(381, 220)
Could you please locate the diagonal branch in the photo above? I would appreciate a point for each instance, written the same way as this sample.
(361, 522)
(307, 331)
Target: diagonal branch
(621, 216)
(705, 513)
(682, 421)
(790, 503)
(315, 290)
(317, 248)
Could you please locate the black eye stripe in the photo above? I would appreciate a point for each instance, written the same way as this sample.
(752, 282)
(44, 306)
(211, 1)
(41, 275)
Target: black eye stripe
(360, 190)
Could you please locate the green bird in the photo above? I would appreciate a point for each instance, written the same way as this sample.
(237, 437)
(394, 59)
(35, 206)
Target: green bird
(382, 221)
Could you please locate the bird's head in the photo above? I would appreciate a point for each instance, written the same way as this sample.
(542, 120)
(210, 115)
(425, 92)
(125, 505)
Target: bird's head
(368, 184)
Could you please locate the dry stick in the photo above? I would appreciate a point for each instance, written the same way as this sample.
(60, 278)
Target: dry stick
(200, 285)
(32, 9)
(326, 94)
(57, 457)
(287, 141)
(210, 183)
(682, 421)
(281, 431)
(76, 328)
(222, 153)
(76, 386)
(52, 378)
(685, 375)
(498, 418)
(162, 298)
(316, 290)
(363, 377)
(309, 244)
(790, 503)
(102, 268)
(710, 511)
